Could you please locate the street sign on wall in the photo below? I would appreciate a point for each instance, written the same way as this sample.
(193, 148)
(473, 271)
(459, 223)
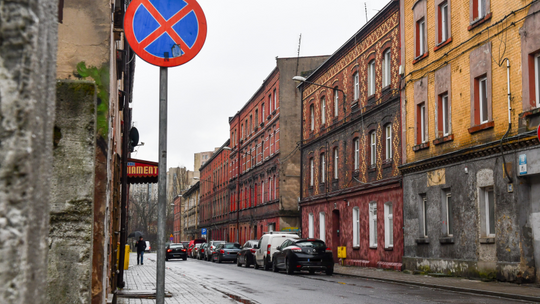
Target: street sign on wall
(165, 33)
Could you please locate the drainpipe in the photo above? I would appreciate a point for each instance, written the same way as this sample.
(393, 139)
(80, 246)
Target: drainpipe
(509, 117)
(301, 156)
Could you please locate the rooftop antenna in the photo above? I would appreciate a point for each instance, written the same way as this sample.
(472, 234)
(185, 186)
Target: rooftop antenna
(298, 56)
(365, 6)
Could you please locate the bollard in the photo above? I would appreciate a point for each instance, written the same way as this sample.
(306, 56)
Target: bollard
(126, 259)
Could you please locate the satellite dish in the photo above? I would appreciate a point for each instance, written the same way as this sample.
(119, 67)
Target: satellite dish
(133, 138)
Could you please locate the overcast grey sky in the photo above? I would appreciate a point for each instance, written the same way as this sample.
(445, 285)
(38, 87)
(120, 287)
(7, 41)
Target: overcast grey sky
(244, 38)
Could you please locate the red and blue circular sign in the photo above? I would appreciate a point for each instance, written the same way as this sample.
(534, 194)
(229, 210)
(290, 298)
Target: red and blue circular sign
(165, 33)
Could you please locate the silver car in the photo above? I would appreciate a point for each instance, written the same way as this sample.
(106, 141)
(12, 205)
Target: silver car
(211, 248)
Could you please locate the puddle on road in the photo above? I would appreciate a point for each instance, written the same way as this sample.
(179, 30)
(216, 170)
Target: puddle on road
(237, 298)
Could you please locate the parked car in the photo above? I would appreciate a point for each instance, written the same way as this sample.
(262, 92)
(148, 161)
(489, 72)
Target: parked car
(303, 254)
(210, 249)
(201, 253)
(226, 252)
(185, 243)
(175, 251)
(195, 250)
(267, 246)
(148, 248)
(245, 256)
(192, 244)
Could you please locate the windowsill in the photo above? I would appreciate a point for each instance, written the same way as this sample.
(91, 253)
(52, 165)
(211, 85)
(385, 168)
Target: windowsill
(356, 248)
(372, 168)
(262, 124)
(478, 22)
(335, 181)
(356, 173)
(446, 240)
(371, 99)
(421, 146)
(274, 112)
(388, 163)
(372, 247)
(310, 187)
(354, 106)
(442, 140)
(386, 88)
(390, 248)
(419, 58)
(269, 116)
(487, 240)
(422, 241)
(442, 44)
(482, 127)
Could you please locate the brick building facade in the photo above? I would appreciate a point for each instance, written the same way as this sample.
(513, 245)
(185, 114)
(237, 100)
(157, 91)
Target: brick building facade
(214, 205)
(351, 187)
(466, 210)
(264, 165)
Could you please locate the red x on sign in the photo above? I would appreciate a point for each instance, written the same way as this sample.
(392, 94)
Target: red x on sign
(165, 33)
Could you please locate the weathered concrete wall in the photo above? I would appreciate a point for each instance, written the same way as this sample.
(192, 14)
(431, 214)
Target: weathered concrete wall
(28, 35)
(72, 194)
(507, 256)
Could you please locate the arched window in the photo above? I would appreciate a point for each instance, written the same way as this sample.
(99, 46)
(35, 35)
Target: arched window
(312, 118)
(323, 110)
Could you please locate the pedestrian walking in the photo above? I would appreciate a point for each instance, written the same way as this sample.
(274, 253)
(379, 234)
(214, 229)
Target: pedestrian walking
(141, 246)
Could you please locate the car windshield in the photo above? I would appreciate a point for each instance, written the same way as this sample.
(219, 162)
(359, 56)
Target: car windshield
(231, 246)
(177, 246)
(313, 244)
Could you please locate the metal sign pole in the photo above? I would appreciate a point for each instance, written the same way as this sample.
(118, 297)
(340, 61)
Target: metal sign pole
(162, 186)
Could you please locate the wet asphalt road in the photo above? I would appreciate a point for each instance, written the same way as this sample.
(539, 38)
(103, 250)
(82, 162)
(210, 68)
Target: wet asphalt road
(258, 286)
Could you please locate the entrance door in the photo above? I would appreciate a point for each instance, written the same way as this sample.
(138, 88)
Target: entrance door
(335, 233)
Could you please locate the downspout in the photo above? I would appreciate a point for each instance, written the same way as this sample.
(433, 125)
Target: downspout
(301, 155)
(509, 118)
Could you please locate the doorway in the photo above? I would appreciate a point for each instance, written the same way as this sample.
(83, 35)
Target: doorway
(336, 224)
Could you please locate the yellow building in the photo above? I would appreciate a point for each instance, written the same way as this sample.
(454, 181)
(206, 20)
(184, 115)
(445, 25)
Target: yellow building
(470, 109)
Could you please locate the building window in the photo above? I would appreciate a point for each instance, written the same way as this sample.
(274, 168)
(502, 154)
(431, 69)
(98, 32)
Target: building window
(423, 217)
(356, 154)
(336, 102)
(269, 104)
(311, 171)
(481, 102)
(371, 78)
(373, 225)
(386, 71)
(251, 124)
(421, 123)
(256, 117)
(262, 113)
(262, 193)
(373, 148)
(336, 157)
(323, 168)
(444, 115)
(310, 230)
(479, 9)
(275, 187)
(323, 111)
(356, 80)
(275, 100)
(487, 210)
(270, 189)
(388, 226)
(388, 143)
(420, 37)
(444, 29)
(322, 227)
(356, 227)
(312, 117)
(242, 131)
(535, 88)
(448, 221)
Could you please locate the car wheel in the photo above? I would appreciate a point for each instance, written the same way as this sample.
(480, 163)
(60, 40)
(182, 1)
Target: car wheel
(247, 264)
(274, 266)
(266, 266)
(311, 271)
(329, 271)
(255, 265)
(166, 259)
(219, 259)
(184, 258)
(290, 269)
(238, 263)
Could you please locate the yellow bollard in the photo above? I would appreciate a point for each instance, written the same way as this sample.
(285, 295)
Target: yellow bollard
(126, 259)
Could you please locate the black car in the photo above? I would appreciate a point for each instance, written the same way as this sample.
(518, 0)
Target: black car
(303, 254)
(226, 252)
(176, 251)
(245, 256)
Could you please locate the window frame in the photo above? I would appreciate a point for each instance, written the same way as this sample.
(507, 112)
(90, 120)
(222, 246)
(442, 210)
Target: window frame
(489, 209)
(449, 215)
(336, 102)
(312, 117)
(356, 226)
(388, 141)
(371, 78)
(310, 225)
(445, 115)
(322, 226)
(387, 68)
(275, 100)
(336, 159)
(311, 172)
(481, 98)
(356, 153)
(388, 225)
(373, 225)
(537, 77)
(323, 110)
(421, 38)
(423, 123)
(373, 148)
(323, 166)
(444, 28)
(356, 82)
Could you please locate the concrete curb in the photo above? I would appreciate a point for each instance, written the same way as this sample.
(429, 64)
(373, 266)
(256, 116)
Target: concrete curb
(451, 288)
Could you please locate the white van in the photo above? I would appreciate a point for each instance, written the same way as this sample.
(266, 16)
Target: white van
(267, 246)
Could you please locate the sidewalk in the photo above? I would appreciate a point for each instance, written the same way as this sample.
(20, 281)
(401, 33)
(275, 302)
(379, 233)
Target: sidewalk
(498, 289)
(184, 289)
